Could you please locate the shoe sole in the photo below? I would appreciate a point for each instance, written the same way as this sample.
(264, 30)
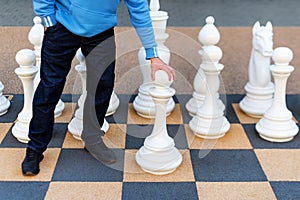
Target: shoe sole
(105, 162)
(33, 173)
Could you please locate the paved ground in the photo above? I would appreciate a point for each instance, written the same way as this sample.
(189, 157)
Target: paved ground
(240, 165)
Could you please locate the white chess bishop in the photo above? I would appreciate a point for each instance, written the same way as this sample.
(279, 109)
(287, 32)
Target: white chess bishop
(208, 35)
(277, 124)
(259, 89)
(4, 102)
(143, 103)
(159, 155)
(210, 122)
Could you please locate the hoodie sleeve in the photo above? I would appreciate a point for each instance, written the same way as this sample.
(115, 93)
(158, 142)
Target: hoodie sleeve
(45, 9)
(140, 19)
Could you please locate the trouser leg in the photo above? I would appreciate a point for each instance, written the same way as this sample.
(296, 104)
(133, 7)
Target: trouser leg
(100, 61)
(58, 49)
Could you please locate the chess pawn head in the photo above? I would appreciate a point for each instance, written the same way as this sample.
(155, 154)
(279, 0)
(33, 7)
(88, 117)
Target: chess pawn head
(209, 34)
(162, 79)
(262, 38)
(25, 58)
(282, 56)
(36, 33)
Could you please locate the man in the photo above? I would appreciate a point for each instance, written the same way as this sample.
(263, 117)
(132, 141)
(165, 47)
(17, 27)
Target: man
(85, 24)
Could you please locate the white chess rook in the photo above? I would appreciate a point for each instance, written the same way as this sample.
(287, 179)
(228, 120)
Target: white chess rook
(143, 103)
(26, 72)
(210, 121)
(208, 35)
(259, 89)
(75, 127)
(159, 155)
(35, 36)
(4, 102)
(277, 124)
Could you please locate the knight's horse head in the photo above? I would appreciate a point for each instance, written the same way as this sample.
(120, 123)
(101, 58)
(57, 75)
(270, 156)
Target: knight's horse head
(263, 38)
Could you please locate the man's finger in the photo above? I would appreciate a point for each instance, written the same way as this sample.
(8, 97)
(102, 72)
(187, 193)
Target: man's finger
(173, 74)
(153, 74)
(166, 69)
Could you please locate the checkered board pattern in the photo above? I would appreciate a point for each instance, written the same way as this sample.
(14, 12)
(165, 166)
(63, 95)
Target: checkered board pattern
(238, 166)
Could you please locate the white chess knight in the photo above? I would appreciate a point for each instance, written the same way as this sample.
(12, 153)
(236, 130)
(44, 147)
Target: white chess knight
(143, 103)
(35, 36)
(208, 35)
(277, 124)
(159, 155)
(259, 89)
(4, 102)
(76, 125)
(210, 122)
(26, 72)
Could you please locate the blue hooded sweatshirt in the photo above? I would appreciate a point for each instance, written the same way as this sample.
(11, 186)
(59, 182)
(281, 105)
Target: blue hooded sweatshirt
(89, 17)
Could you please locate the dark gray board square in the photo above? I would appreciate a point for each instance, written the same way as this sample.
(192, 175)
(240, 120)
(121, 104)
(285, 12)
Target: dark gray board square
(79, 165)
(227, 165)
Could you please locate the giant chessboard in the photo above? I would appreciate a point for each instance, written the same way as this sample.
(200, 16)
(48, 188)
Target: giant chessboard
(240, 165)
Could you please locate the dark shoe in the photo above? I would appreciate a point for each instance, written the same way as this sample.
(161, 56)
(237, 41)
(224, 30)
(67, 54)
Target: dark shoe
(30, 165)
(101, 152)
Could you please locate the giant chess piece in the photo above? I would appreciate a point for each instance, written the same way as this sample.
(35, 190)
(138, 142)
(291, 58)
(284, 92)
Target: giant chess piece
(75, 127)
(208, 35)
(26, 72)
(259, 89)
(143, 103)
(114, 103)
(210, 121)
(4, 102)
(159, 155)
(35, 36)
(277, 124)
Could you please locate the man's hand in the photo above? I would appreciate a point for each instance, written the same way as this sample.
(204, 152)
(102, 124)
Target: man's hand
(158, 64)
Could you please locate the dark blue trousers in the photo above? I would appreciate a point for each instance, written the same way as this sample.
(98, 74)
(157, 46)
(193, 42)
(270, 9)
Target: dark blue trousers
(58, 50)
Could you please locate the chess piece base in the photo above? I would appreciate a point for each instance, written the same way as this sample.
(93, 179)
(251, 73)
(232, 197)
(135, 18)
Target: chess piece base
(158, 162)
(195, 104)
(277, 131)
(257, 100)
(75, 127)
(209, 128)
(4, 105)
(20, 131)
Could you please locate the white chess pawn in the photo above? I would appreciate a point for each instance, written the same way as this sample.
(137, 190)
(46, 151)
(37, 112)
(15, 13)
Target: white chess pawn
(36, 36)
(259, 89)
(210, 121)
(4, 102)
(26, 72)
(277, 124)
(208, 35)
(143, 103)
(159, 155)
(75, 126)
